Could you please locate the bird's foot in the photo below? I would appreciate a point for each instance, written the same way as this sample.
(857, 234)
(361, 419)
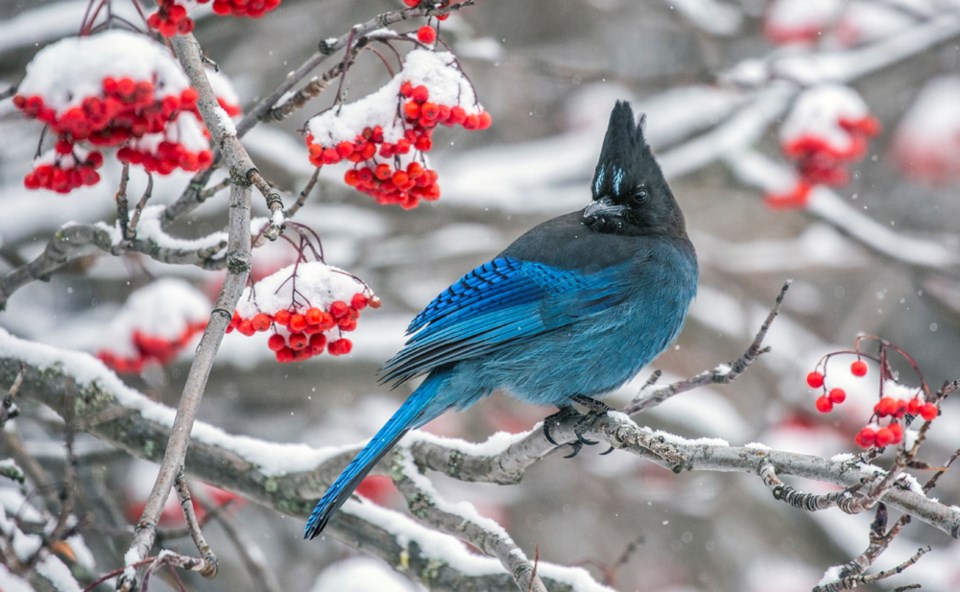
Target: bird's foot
(595, 410)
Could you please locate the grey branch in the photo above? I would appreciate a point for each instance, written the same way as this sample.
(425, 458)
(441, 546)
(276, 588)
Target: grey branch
(292, 493)
(77, 240)
(427, 506)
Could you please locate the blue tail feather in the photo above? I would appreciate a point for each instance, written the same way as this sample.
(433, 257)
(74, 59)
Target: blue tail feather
(410, 415)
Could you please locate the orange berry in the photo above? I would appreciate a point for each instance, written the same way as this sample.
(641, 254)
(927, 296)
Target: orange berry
(261, 322)
(297, 322)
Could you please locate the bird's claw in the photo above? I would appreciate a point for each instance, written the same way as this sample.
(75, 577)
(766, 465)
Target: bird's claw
(595, 409)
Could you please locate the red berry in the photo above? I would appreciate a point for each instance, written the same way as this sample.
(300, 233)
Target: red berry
(824, 404)
(885, 406)
(897, 430)
(837, 395)
(865, 438)
(406, 89)
(929, 411)
(339, 309)
(313, 315)
(261, 322)
(884, 437)
(317, 343)
(298, 341)
(340, 347)
(815, 380)
(246, 327)
(484, 120)
(411, 3)
(427, 35)
(284, 355)
(276, 342)
(420, 94)
(359, 301)
(914, 405)
(858, 368)
(282, 317)
(297, 323)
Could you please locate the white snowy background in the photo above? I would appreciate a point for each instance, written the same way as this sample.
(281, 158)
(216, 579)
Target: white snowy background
(878, 255)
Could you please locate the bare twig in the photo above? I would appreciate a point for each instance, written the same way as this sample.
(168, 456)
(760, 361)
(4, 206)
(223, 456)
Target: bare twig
(262, 575)
(723, 374)
(851, 582)
(304, 194)
(210, 566)
(123, 208)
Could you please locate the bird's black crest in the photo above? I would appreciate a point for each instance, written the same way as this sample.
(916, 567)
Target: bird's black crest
(629, 190)
(625, 154)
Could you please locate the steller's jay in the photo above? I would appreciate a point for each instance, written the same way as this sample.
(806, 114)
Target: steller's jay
(573, 308)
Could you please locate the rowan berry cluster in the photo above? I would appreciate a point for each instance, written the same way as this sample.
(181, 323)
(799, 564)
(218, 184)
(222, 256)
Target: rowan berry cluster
(150, 349)
(71, 167)
(300, 333)
(172, 18)
(306, 307)
(123, 109)
(115, 89)
(182, 145)
(397, 128)
(826, 131)
(153, 326)
(890, 414)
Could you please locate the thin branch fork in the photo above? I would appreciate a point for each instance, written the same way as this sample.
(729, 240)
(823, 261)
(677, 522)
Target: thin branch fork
(723, 374)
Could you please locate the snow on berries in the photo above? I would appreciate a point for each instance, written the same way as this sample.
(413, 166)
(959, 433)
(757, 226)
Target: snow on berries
(172, 17)
(387, 133)
(116, 89)
(826, 131)
(926, 143)
(897, 405)
(154, 325)
(307, 307)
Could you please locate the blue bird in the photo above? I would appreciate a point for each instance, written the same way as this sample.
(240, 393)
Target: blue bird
(572, 309)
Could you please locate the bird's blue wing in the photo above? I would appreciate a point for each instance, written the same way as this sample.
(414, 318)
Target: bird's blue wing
(500, 302)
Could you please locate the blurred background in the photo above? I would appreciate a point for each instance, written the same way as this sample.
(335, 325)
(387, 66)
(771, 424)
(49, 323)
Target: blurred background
(874, 252)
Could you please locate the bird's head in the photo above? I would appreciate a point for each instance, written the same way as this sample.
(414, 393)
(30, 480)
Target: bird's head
(630, 194)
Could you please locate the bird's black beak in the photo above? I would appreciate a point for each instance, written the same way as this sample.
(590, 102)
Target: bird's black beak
(603, 207)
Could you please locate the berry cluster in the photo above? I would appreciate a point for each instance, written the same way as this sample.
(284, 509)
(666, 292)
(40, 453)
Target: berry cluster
(300, 333)
(826, 131)
(124, 109)
(307, 307)
(184, 144)
(150, 349)
(114, 89)
(153, 326)
(64, 169)
(171, 17)
(396, 127)
(894, 410)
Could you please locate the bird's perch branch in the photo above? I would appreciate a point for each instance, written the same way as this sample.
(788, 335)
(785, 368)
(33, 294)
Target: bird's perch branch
(136, 424)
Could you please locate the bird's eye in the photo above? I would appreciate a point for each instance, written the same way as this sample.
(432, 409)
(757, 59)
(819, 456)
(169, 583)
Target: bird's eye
(639, 197)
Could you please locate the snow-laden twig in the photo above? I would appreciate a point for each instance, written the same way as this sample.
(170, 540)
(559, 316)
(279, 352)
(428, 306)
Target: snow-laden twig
(77, 240)
(464, 522)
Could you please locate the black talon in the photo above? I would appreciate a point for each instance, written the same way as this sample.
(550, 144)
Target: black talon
(586, 441)
(546, 434)
(609, 450)
(576, 446)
